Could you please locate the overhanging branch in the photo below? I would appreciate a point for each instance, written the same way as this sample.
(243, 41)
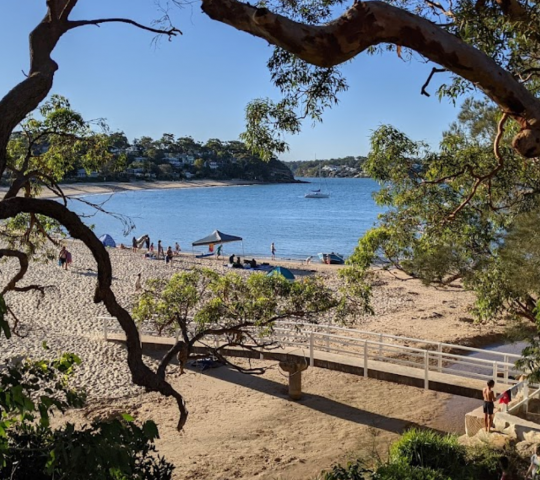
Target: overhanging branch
(141, 374)
(371, 23)
(170, 32)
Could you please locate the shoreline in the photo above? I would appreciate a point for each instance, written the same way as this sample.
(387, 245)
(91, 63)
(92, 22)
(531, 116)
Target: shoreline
(85, 189)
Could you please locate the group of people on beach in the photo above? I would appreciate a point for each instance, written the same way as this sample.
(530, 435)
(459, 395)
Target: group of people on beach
(168, 255)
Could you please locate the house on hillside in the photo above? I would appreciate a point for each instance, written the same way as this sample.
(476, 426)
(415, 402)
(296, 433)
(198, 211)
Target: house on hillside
(186, 159)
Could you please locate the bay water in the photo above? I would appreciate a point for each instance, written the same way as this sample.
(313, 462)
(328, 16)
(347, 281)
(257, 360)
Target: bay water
(260, 214)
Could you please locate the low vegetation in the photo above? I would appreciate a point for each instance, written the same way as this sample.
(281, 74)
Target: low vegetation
(427, 455)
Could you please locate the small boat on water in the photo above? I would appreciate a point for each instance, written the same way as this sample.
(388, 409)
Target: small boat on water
(331, 258)
(316, 194)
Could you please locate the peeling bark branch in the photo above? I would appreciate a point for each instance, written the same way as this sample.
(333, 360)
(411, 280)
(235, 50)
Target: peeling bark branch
(371, 23)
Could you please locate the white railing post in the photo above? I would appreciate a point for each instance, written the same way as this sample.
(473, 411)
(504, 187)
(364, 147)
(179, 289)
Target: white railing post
(380, 346)
(311, 356)
(365, 359)
(439, 361)
(426, 370)
(495, 371)
(105, 326)
(506, 369)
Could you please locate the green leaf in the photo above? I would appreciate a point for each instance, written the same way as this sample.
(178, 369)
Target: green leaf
(127, 417)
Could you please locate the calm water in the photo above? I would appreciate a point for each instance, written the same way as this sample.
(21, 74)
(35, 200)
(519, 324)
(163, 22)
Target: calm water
(260, 214)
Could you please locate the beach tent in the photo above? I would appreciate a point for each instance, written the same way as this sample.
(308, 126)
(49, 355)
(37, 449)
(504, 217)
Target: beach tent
(217, 237)
(281, 271)
(107, 240)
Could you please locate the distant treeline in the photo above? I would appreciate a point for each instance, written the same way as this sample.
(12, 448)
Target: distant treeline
(334, 167)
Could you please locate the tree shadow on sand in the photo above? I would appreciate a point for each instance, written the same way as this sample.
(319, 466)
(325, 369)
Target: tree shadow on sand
(317, 402)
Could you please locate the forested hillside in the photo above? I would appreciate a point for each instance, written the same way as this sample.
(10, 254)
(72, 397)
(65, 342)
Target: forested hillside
(334, 167)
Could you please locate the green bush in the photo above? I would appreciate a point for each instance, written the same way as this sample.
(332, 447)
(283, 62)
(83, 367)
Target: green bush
(353, 471)
(428, 449)
(30, 391)
(402, 471)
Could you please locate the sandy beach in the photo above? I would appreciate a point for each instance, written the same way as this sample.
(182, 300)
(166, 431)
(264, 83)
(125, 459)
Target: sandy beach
(243, 426)
(83, 189)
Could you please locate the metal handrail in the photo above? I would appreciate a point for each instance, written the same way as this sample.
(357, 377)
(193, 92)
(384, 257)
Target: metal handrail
(400, 338)
(380, 350)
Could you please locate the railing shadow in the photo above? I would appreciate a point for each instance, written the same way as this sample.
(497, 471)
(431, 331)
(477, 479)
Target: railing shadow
(316, 402)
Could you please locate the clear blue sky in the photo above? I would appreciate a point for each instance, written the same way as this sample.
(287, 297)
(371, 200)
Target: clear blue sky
(199, 83)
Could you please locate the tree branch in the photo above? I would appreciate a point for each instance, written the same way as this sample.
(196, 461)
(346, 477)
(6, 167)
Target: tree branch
(371, 23)
(23, 267)
(491, 174)
(141, 374)
(433, 72)
(170, 32)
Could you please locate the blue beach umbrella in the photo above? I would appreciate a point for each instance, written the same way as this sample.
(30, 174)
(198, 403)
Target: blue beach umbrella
(281, 271)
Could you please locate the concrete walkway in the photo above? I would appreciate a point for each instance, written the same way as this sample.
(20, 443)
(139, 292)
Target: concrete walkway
(380, 370)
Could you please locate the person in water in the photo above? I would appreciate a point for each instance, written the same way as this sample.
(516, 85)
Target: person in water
(489, 405)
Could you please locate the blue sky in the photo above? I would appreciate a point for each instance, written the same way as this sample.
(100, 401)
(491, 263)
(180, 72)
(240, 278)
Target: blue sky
(199, 83)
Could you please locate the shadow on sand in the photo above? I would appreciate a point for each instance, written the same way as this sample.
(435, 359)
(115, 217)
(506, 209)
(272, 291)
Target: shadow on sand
(309, 400)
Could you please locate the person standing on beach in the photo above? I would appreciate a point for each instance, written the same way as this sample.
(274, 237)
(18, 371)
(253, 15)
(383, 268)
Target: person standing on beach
(134, 244)
(489, 398)
(62, 258)
(169, 256)
(147, 242)
(273, 250)
(177, 248)
(159, 249)
(218, 253)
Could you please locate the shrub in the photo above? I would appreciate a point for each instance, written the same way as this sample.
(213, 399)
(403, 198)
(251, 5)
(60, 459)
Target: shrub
(353, 471)
(30, 391)
(428, 449)
(402, 471)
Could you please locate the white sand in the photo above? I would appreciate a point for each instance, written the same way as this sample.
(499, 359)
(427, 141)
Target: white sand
(78, 189)
(240, 426)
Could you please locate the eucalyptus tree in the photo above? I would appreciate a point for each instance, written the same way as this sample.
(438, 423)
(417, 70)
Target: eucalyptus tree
(458, 213)
(15, 105)
(490, 45)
